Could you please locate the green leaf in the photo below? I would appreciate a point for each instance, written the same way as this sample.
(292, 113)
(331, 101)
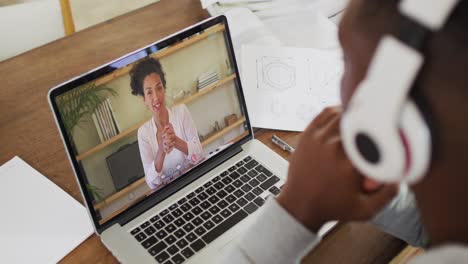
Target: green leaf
(96, 192)
(83, 101)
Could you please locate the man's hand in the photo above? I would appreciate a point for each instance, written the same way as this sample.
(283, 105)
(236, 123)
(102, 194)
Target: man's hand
(322, 183)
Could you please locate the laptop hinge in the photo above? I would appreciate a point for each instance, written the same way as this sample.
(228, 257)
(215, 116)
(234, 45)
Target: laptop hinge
(177, 185)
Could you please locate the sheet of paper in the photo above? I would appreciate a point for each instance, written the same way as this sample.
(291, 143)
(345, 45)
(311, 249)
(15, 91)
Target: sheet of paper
(242, 1)
(332, 7)
(40, 223)
(246, 28)
(285, 88)
(207, 3)
(307, 28)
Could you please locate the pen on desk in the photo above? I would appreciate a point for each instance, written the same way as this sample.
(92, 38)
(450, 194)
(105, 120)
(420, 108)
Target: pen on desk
(282, 144)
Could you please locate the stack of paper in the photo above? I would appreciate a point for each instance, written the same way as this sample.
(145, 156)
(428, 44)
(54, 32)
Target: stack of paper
(261, 8)
(246, 28)
(305, 29)
(286, 87)
(275, 8)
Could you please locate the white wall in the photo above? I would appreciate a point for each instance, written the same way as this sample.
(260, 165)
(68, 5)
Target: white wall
(87, 13)
(28, 25)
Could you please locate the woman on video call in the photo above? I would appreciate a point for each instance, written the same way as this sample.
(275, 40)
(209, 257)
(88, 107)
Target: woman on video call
(168, 142)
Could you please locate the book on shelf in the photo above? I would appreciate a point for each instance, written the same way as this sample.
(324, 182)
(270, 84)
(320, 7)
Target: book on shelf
(114, 118)
(109, 119)
(102, 122)
(105, 121)
(98, 126)
(206, 79)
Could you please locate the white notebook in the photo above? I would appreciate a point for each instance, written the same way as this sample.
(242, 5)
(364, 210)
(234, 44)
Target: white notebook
(39, 223)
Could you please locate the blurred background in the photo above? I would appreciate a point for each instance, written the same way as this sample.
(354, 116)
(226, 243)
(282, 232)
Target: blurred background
(27, 24)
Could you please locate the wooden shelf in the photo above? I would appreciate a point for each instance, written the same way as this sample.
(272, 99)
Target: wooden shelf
(162, 53)
(135, 127)
(222, 132)
(141, 181)
(205, 90)
(123, 208)
(119, 194)
(110, 141)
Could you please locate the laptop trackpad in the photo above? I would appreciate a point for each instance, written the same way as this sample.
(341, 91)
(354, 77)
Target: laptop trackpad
(228, 245)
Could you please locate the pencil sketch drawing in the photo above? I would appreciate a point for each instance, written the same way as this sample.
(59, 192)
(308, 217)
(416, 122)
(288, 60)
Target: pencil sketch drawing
(276, 73)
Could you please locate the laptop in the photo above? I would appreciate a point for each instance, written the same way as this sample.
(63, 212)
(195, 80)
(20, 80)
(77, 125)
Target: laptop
(203, 186)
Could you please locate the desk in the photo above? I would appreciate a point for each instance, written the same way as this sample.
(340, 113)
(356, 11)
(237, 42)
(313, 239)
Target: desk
(27, 127)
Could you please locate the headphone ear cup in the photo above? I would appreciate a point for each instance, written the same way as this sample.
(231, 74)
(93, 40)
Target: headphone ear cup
(382, 142)
(373, 145)
(403, 149)
(416, 137)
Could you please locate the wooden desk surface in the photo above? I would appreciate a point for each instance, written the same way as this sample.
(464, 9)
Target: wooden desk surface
(27, 128)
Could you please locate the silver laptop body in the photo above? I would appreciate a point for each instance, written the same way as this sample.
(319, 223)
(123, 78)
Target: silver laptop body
(142, 225)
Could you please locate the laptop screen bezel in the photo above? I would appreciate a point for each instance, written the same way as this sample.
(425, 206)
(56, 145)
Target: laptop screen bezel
(198, 171)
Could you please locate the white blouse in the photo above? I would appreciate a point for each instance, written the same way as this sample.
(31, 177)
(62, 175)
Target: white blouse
(176, 162)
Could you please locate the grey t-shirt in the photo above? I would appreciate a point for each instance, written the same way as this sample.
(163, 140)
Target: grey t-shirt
(401, 219)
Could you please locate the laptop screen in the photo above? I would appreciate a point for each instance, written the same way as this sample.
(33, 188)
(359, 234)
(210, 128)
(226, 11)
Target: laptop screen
(138, 124)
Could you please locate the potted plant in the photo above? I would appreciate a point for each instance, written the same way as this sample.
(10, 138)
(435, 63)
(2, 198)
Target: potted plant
(80, 103)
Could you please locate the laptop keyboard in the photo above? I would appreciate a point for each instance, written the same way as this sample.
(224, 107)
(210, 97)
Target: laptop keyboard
(187, 226)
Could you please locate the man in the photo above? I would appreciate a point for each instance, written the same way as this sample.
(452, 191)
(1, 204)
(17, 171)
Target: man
(322, 183)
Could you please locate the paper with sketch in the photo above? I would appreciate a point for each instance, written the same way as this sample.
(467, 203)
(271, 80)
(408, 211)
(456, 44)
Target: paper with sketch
(285, 88)
(40, 222)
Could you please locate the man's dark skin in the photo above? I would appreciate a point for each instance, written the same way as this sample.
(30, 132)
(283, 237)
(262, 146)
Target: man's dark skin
(322, 183)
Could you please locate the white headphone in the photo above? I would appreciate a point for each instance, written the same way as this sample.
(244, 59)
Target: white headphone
(384, 133)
